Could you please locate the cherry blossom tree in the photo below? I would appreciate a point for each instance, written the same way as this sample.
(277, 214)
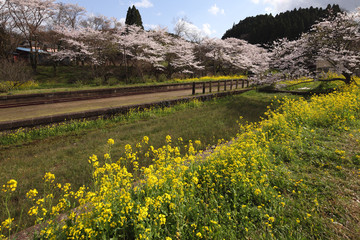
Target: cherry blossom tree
(9, 40)
(333, 41)
(181, 58)
(67, 14)
(96, 22)
(4, 14)
(28, 16)
(234, 55)
(140, 47)
(291, 59)
(338, 43)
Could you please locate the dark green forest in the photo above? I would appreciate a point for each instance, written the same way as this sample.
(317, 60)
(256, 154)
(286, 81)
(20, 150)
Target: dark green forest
(133, 17)
(264, 29)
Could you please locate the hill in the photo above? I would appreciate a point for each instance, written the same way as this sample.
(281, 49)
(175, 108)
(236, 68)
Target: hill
(264, 29)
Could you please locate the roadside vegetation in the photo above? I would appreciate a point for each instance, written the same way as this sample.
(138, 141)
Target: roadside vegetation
(295, 174)
(27, 154)
(274, 166)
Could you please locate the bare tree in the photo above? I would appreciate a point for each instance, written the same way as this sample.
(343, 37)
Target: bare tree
(28, 16)
(67, 14)
(96, 22)
(13, 74)
(185, 29)
(8, 39)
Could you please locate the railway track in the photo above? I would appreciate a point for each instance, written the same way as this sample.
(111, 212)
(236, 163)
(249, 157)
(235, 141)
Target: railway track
(24, 111)
(13, 101)
(59, 97)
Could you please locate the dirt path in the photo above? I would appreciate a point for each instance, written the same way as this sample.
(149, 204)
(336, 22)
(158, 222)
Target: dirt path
(28, 112)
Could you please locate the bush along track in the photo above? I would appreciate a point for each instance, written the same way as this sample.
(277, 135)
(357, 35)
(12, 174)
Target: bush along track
(294, 175)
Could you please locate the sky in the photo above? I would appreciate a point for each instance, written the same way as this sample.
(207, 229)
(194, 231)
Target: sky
(211, 17)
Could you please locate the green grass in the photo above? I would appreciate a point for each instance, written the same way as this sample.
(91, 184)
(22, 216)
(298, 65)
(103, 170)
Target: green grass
(64, 150)
(294, 175)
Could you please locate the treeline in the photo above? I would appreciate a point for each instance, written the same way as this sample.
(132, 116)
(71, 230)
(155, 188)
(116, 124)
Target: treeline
(264, 29)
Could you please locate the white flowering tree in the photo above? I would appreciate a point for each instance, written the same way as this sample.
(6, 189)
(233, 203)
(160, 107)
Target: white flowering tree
(233, 56)
(335, 42)
(87, 45)
(28, 17)
(96, 22)
(142, 48)
(291, 59)
(180, 57)
(67, 14)
(338, 43)
(8, 39)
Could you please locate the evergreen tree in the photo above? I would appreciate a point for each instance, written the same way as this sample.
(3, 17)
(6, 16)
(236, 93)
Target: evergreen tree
(133, 17)
(264, 29)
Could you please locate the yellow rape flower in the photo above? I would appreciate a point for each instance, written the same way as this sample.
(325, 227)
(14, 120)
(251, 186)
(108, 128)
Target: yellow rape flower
(143, 213)
(33, 211)
(49, 177)
(162, 219)
(10, 186)
(7, 223)
(257, 191)
(110, 141)
(32, 193)
(146, 139)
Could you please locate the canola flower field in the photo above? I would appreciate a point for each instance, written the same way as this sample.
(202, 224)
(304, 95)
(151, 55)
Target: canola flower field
(275, 180)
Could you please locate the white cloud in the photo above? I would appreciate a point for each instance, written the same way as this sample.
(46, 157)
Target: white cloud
(215, 10)
(207, 29)
(255, 1)
(280, 5)
(268, 10)
(122, 20)
(143, 4)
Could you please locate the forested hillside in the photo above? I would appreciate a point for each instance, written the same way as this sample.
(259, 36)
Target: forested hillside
(263, 29)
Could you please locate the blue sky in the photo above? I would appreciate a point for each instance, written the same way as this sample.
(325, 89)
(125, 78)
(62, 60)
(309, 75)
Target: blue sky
(213, 17)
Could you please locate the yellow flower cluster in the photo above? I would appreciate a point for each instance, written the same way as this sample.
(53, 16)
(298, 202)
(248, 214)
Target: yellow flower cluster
(235, 191)
(215, 78)
(10, 186)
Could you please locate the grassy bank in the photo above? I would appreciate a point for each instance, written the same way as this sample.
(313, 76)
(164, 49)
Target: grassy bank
(64, 149)
(293, 176)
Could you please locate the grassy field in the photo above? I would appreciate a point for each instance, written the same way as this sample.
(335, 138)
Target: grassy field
(293, 175)
(64, 149)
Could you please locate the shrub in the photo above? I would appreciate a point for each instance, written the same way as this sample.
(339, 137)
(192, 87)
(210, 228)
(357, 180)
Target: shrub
(13, 75)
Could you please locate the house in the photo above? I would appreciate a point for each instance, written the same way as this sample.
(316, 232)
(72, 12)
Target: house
(23, 53)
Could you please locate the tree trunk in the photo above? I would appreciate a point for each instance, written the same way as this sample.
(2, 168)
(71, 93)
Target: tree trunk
(54, 68)
(347, 78)
(33, 58)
